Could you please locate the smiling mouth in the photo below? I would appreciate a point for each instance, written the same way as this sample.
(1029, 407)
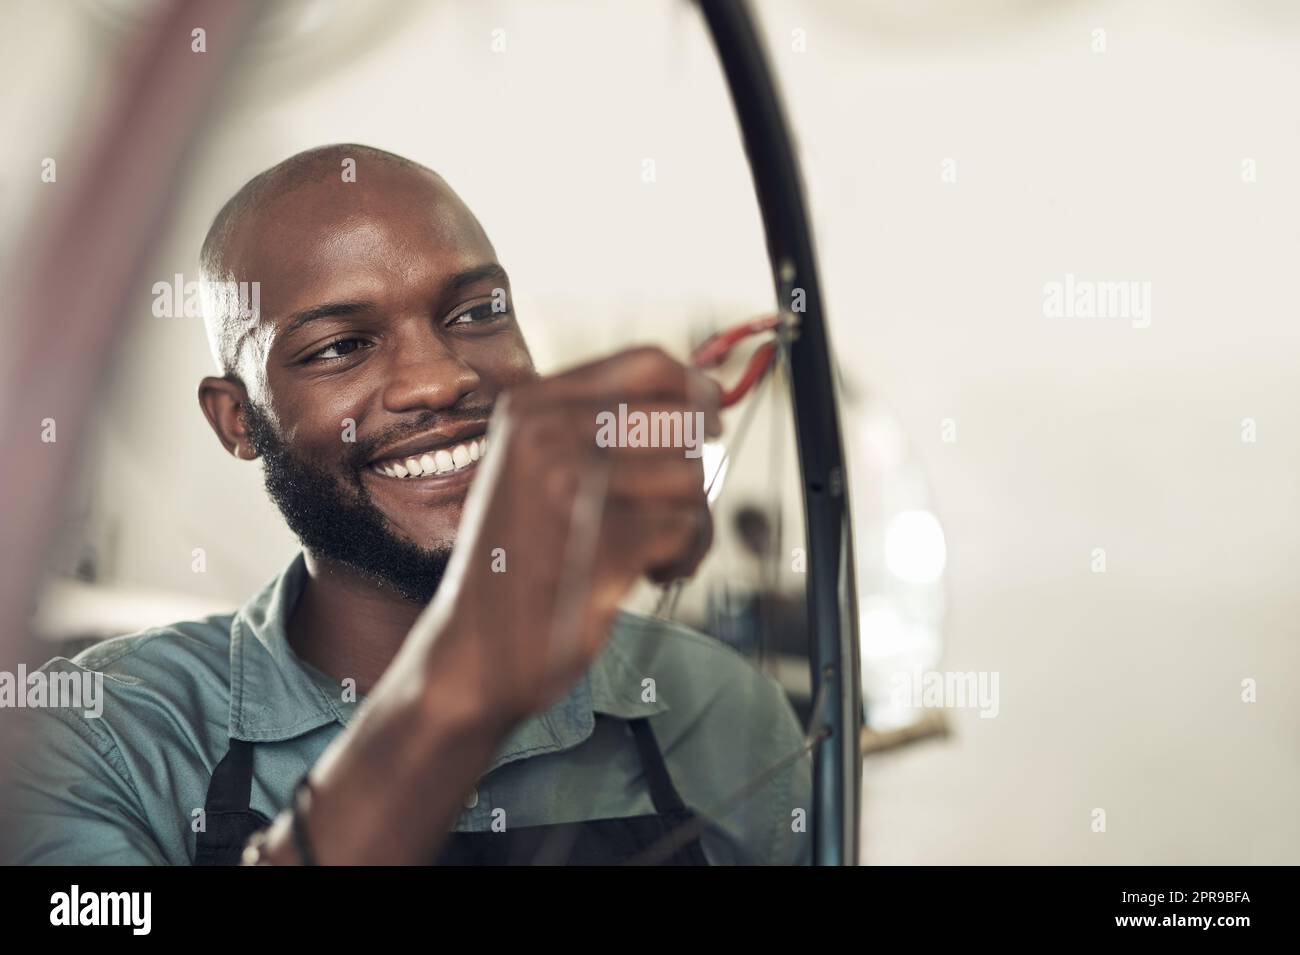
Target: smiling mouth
(447, 459)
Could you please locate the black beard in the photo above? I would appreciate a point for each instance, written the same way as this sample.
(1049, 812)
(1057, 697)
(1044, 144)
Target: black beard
(341, 522)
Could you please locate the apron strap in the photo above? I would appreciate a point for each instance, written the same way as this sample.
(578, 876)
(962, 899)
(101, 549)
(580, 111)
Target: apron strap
(229, 819)
(662, 791)
(231, 789)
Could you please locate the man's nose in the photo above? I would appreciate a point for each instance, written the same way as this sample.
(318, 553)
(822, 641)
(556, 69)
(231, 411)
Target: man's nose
(425, 372)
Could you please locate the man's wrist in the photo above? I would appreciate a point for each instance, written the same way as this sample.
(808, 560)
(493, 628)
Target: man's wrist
(391, 788)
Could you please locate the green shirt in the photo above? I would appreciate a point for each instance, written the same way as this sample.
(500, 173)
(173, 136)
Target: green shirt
(125, 788)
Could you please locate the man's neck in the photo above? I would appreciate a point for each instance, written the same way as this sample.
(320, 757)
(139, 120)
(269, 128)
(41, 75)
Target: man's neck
(347, 625)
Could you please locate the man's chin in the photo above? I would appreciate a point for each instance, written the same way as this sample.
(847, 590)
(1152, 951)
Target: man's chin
(407, 585)
(402, 568)
(353, 531)
(426, 530)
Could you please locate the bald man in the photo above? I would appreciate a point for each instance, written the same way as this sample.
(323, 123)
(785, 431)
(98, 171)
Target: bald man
(443, 673)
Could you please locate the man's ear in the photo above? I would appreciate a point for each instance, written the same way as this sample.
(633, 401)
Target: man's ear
(222, 401)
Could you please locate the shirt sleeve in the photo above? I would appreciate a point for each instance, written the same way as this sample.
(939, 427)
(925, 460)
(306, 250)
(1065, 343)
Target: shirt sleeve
(752, 730)
(69, 798)
(791, 842)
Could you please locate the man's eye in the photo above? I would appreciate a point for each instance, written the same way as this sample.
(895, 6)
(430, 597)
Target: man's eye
(480, 313)
(339, 349)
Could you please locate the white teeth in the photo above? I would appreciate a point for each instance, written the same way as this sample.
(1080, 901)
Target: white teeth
(442, 461)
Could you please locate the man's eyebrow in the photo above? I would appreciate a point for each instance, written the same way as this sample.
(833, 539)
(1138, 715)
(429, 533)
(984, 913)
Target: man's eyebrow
(490, 271)
(336, 309)
(328, 310)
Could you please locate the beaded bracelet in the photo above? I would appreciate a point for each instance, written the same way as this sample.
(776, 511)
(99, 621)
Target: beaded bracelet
(301, 806)
(255, 851)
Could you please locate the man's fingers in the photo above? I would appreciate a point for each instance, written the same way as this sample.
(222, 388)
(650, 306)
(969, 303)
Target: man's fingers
(643, 373)
(665, 541)
(670, 479)
(639, 376)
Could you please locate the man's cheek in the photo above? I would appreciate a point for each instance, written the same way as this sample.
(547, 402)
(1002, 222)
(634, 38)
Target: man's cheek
(339, 454)
(517, 374)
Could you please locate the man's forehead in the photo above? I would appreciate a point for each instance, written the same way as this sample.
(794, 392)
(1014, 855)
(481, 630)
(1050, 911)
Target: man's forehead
(326, 240)
(323, 224)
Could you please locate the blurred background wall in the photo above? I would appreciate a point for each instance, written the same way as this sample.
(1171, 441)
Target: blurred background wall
(959, 154)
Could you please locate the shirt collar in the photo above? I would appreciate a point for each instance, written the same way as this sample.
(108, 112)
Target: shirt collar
(275, 696)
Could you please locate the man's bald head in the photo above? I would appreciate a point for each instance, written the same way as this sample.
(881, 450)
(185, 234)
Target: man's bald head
(310, 180)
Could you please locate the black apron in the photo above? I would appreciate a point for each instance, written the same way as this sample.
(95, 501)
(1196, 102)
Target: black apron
(229, 822)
